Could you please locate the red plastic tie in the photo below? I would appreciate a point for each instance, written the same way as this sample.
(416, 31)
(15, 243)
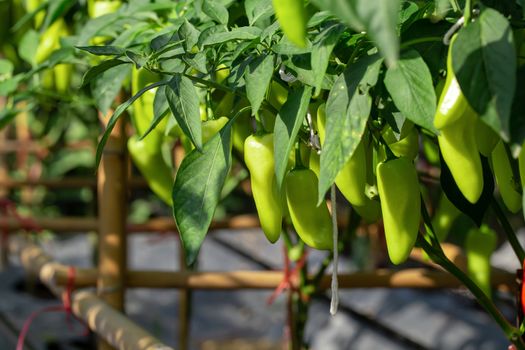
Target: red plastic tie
(65, 307)
(289, 276)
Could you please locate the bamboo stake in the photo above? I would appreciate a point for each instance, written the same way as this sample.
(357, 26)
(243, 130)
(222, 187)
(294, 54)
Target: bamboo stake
(38, 263)
(70, 182)
(418, 278)
(185, 298)
(112, 222)
(114, 327)
(160, 224)
(4, 174)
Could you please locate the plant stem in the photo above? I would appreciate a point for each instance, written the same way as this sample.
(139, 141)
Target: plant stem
(467, 11)
(511, 332)
(509, 231)
(429, 39)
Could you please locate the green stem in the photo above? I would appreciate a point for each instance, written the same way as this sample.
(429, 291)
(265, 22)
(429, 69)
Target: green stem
(438, 257)
(509, 231)
(429, 39)
(467, 12)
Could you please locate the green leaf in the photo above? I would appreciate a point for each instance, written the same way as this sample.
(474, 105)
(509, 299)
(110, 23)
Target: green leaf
(258, 76)
(10, 85)
(189, 34)
(197, 61)
(102, 50)
(258, 10)
(241, 33)
(484, 61)
(95, 71)
(106, 86)
(184, 104)
(215, 11)
(321, 51)
(6, 68)
(197, 190)
(287, 125)
(347, 111)
(410, 85)
(28, 46)
(377, 17)
(116, 115)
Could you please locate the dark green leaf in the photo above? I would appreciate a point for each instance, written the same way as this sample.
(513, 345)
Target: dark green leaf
(95, 71)
(377, 17)
(484, 60)
(241, 33)
(116, 115)
(321, 51)
(410, 85)
(215, 11)
(106, 86)
(138, 58)
(287, 125)
(189, 34)
(159, 42)
(258, 10)
(258, 76)
(286, 47)
(184, 104)
(197, 61)
(197, 190)
(347, 111)
(102, 50)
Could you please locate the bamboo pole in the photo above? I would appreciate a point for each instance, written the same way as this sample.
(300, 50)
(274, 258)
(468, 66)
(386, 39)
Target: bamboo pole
(160, 224)
(38, 263)
(114, 327)
(185, 298)
(68, 182)
(112, 222)
(418, 278)
(4, 193)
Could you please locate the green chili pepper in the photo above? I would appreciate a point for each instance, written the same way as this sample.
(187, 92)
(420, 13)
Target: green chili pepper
(452, 104)
(399, 192)
(259, 159)
(50, 40)
(458, 147)
(291, 15)
(479, 245)
(152, 166)
(313, 223)
(509, 188)
(444, 217)
(486, 138)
